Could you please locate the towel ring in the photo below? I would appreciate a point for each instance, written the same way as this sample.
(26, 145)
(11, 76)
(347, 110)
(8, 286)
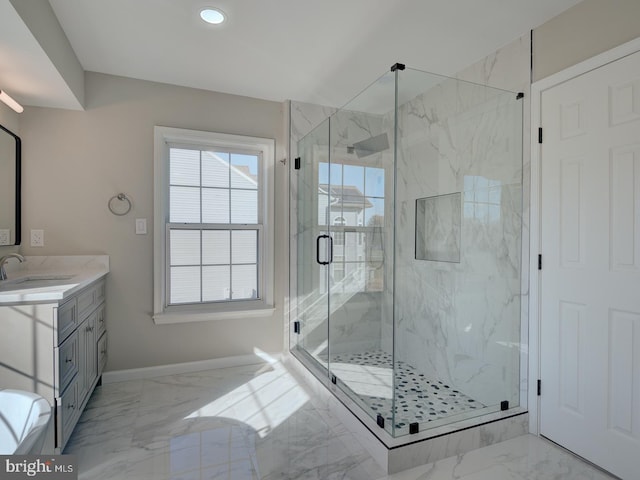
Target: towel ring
(124, 202)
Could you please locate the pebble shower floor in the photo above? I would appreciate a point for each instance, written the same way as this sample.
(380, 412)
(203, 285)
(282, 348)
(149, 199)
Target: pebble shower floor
(419, 399)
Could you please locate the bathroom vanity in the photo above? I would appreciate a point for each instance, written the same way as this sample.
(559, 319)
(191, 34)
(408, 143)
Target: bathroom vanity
(54, 341)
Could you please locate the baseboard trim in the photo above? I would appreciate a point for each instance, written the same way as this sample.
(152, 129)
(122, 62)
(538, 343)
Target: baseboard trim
(188, 367)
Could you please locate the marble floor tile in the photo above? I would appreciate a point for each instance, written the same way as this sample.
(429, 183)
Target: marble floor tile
(258, 422)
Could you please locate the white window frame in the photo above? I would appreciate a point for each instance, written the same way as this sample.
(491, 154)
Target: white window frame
(164, 137)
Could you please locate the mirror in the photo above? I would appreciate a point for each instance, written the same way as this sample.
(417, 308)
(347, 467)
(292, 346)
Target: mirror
(10, 153)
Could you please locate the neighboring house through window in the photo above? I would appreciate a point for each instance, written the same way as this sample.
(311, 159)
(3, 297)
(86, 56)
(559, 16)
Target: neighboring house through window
(352, 206)
(338, 235)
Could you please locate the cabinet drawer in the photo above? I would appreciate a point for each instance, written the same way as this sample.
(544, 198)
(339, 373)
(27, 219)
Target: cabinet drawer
(101, 322)
(67, 319)
(102, 353)
(67, 356)
(68, 414)
(90, 299)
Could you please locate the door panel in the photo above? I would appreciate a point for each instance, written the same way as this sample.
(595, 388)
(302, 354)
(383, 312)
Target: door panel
(590, 283)
(312, 309)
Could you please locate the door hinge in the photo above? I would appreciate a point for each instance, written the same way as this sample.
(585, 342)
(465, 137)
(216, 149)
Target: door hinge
(296, 327)
(540, 262)
(296, 163)
(539, 386)
(540, 135)
(519, 95)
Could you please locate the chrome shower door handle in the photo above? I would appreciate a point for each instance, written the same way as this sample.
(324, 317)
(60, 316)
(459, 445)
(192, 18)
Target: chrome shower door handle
(318, 238)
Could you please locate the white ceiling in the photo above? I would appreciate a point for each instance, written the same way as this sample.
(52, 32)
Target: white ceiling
(320, 51)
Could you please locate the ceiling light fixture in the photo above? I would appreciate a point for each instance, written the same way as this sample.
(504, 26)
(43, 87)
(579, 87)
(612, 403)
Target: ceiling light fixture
(4, 97)
(212, 15)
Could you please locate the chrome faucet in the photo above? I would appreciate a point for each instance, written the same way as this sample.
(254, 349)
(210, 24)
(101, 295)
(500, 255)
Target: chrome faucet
(4, 259)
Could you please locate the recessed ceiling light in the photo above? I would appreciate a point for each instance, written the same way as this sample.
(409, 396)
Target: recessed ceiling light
(212, 15)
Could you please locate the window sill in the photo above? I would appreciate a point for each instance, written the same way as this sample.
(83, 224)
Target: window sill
(187, 316)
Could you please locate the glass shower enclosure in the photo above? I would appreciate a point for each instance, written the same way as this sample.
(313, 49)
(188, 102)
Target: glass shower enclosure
(407, 211)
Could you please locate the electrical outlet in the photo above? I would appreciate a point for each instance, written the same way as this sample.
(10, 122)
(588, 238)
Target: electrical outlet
(37, 238)
(5, 236)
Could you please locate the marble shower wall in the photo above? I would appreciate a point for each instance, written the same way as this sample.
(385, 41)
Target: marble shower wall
(366, 312)
(510, 68)
(462, 322)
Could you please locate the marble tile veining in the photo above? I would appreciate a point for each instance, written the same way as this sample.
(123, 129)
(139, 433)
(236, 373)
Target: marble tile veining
(259, 422)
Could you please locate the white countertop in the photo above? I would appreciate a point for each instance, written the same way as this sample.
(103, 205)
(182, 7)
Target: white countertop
(78, 270)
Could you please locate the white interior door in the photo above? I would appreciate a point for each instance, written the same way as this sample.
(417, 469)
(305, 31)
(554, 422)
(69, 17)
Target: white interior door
(590, 280)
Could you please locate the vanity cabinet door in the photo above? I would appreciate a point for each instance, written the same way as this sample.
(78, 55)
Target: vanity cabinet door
(102, 353)
(101, 325)
(83, 340)
(88, 371)
(91, 353)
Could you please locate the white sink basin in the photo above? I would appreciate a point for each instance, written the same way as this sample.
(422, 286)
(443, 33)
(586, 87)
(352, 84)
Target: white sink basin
(24, 418)
(33, 281)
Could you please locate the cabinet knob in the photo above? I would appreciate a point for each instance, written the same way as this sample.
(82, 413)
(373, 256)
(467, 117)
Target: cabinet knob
(71, 406)
(68, 360)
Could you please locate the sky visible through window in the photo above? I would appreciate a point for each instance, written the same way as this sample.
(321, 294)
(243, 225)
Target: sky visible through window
(248, 161)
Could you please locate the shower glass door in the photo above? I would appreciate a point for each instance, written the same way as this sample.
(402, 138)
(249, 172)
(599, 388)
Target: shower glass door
(312, 307)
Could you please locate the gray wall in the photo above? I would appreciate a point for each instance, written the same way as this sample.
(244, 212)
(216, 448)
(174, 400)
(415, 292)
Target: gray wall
(74, 161)
(587, 29)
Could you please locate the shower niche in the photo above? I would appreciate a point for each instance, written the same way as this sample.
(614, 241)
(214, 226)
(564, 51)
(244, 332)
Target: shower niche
(406, 255)
(438, 223)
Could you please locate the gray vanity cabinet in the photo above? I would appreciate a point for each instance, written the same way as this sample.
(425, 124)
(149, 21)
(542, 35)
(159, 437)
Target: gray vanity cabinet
(90, 308)
(58, 350)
